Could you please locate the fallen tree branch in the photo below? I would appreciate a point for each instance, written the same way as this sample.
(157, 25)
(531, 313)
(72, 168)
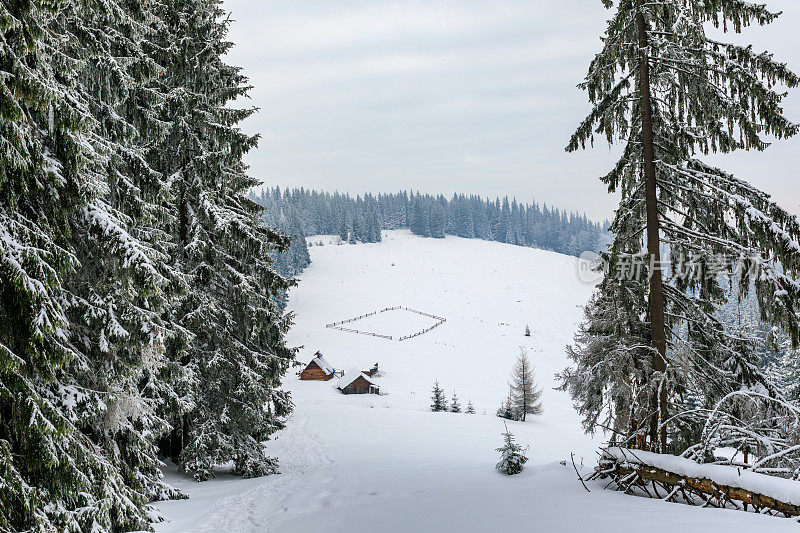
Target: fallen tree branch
(629, 469)
(580, 478)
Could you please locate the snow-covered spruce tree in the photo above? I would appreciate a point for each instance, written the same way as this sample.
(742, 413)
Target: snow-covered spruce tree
(526, 397)
(116, 296)
(234, 353)
(438, 401)
(667, 89)
(611, 356)
(455, 406)
(506, 409)
(784, 369)
(512, 456)
(527, 330)
(470, 408)
(296, 258)
(437, 221)
(420, 223)
(52, 476)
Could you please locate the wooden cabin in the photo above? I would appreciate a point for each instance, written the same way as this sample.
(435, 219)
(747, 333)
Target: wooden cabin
(318, 369)
(356, 382)
(372, 371)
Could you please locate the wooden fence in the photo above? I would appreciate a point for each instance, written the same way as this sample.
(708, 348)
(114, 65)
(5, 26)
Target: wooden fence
(338, 325)
(439, 322)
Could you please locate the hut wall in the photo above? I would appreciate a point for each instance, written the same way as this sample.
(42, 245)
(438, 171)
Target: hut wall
(313, 372)
(360, 386)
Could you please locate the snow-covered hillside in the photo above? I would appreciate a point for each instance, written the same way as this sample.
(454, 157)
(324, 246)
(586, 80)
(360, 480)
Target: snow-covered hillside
(386, 463)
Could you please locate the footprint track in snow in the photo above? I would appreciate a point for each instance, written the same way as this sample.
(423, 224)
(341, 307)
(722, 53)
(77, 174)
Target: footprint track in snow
(303, 455)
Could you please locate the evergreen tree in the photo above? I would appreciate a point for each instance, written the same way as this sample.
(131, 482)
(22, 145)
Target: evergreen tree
(512, 456)
(420, 224)
(455, 406)
(296, 258)
(480, 220)
(470, 409)
(438, 224)
(344, 231)
(506, 409)
(611, 357)
(357, 231)
(52, 477)
(439, 402)
(527, 330)
(525, 396)
(234, 354)
(502, 227)
(670, 92)
(463, 223)
(121, 289)
(135, 285)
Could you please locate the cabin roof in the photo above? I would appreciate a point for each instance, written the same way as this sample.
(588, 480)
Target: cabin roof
(351, 375)
(322, 363)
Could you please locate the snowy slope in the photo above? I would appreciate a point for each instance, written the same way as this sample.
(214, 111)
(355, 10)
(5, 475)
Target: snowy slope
(388, 464)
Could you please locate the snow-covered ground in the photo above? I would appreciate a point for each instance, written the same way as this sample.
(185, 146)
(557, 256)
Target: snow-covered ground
(385, 463)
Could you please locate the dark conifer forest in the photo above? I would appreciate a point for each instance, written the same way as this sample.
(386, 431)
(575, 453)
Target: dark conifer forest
(301, 212)
(139, 316)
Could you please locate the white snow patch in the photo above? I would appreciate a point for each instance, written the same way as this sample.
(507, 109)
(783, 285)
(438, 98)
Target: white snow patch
(386, 463)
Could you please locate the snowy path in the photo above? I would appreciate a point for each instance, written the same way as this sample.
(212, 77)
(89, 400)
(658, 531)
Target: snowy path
(233, 504)
(302, 453)
(388, 464)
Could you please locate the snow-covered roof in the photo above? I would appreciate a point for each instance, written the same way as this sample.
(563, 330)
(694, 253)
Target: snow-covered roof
(322, 363)
(351, 375)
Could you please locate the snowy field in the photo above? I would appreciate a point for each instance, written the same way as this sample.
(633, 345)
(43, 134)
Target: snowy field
(385, 463)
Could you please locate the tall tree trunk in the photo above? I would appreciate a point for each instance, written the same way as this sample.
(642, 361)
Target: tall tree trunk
(658, 437)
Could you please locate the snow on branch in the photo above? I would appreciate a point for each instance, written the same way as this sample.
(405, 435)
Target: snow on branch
(726, 482)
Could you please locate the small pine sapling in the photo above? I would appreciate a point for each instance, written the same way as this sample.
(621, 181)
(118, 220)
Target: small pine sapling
(506, 409)
(512, 455)
(470, 409)
(455, 406)
(527, 330)
(439, 402)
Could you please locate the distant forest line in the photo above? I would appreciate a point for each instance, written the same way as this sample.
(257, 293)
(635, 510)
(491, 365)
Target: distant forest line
(302, 212)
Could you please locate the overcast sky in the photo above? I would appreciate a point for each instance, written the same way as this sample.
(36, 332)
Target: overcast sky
(472, 96)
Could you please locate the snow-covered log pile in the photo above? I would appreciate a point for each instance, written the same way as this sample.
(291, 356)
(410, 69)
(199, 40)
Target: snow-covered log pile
(704, 484)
